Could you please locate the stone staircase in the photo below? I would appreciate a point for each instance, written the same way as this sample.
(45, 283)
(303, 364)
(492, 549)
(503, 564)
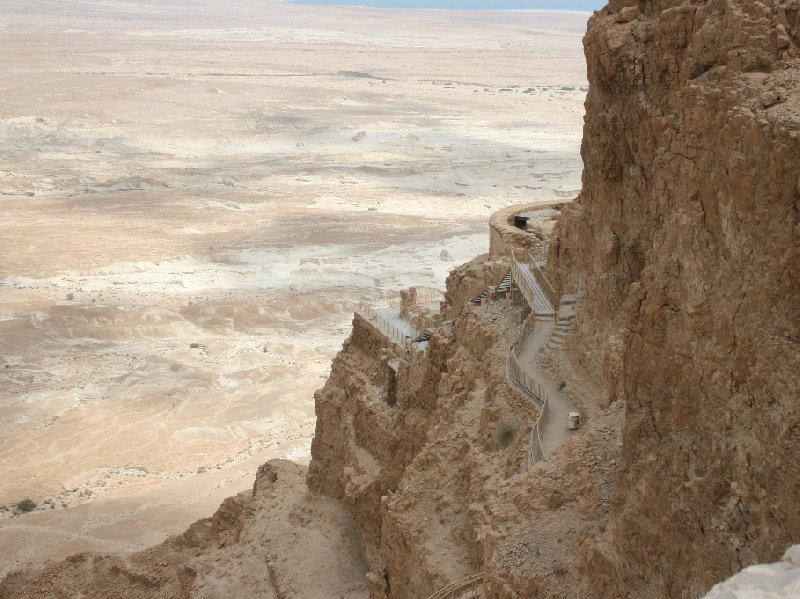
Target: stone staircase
(565, 322)
(505, 284)
(425, 336)
(504, 287)
(562, 330)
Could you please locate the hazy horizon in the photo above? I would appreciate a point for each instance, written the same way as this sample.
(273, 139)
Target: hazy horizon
(579, 5)
(197, 196)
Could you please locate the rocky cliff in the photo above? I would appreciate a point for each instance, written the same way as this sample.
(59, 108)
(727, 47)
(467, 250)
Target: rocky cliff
(417, 460)
(685, 362)
(684, 247)
(274, 542)
(685, 238)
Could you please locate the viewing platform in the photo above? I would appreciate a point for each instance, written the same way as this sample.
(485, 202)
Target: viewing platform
(409, 319)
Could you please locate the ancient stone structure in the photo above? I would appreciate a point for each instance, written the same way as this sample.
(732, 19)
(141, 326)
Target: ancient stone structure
(682, 254)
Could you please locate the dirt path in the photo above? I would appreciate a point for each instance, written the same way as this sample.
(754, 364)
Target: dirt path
(556, 428)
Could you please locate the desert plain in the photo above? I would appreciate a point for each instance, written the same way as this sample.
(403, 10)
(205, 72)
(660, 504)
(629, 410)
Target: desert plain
(195, 198)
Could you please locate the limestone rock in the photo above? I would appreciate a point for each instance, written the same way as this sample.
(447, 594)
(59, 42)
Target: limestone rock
(692, 159)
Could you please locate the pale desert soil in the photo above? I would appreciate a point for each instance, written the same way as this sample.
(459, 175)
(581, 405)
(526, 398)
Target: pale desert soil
(195, 198)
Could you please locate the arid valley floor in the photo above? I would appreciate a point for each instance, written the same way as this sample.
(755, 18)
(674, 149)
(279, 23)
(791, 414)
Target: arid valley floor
(196, 196)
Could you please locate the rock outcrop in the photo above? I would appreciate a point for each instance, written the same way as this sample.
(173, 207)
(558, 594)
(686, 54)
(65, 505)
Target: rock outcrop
(686, 240)
(682, 253)
(777, 581)
(416, 472)
(276, 542)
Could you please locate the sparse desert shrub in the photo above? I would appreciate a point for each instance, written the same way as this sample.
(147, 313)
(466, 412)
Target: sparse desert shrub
(506, 435)
(561, 385)
(555, 501)
(26, 505)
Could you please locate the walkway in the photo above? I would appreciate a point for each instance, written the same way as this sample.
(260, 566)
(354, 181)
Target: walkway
(555, 429)
(547, 333)
(543, 330)
(533, 292)
(389, 321)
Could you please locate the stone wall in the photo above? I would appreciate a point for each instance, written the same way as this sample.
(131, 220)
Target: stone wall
(504, 237)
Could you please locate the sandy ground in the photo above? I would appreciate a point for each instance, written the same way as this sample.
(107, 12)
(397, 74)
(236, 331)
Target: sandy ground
(194, 199)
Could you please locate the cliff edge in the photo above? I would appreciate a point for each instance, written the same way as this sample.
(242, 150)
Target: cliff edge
(685, 239)
(673, 278)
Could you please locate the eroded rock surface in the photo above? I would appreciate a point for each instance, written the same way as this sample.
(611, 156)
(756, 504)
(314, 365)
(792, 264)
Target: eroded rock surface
(683, 248)
(416, 475)
(277, 541)
(685, 238)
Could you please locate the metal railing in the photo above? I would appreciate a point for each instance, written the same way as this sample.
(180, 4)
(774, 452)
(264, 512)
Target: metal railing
(537, 447)
(400, 334)
(533, 388)
(466, 588)
(533, 294)
(524, 277)
(538, 255)
(525, 330)
(429, 296)
(522, 282)
(386, 302)
(547, 287)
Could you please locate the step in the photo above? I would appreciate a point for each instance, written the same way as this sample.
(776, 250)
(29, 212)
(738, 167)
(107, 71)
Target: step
(424, 336)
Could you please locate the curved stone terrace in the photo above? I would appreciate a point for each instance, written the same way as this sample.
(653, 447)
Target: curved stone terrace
(544, 329)
(518, 236)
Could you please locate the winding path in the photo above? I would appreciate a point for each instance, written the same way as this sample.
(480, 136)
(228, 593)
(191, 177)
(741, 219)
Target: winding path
(555, 429)
(550, 327)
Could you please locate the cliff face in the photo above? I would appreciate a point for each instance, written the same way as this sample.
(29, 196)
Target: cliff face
(685, 239)
(684, 247)
(416, 466)
(276, 542)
